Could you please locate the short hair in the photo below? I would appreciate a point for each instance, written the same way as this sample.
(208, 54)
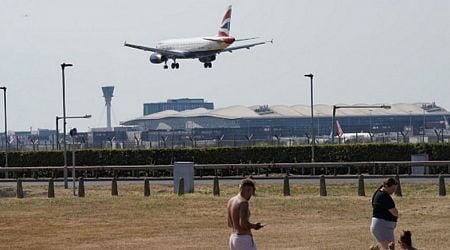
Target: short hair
(390, 182)
(247, 182)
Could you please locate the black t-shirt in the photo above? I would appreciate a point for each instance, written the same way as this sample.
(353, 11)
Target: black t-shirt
(381, 203)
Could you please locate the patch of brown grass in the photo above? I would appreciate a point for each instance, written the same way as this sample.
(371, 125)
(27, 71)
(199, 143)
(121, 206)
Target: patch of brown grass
(198, 221)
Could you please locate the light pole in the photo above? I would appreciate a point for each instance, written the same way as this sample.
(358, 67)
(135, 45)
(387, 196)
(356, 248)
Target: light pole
(335, 107)
(67, 117)
(311, 76)
(410, 122)
(6, 127)
(63, 66)
(423, 134)
(318, 124)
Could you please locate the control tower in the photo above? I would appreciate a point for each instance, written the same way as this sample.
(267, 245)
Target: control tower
(108, 94)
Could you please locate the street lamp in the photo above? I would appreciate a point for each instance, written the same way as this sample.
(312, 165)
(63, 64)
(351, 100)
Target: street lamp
(63, 66)
(311, 76)
(424, 125)
(6, 127)
(318, 124)
(410, 122)
(335, 107)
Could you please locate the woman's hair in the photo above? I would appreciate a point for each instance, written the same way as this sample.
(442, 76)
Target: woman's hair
(390, 182)
(405, 238)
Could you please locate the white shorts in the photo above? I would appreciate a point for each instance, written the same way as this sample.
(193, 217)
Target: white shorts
(382, 230)
(242, 242)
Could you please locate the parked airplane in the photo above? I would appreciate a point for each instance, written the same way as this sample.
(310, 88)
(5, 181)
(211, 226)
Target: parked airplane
(350, 136)
(204, 49)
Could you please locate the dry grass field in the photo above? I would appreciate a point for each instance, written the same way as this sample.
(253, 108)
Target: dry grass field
(197, 221)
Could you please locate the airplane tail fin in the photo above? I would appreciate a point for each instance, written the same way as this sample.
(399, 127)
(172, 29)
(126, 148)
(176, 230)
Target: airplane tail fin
(446, 122)
(340, 132)
(224, 29)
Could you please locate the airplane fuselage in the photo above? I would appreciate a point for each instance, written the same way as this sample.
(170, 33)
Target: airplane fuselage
(193, 47)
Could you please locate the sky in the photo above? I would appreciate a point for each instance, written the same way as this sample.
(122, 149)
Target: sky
(360, 51)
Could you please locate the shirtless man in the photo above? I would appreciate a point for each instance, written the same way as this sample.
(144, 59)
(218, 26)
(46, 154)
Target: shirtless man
(238, 218)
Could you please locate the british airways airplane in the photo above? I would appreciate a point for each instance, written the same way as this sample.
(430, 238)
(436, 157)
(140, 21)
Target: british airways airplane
(204, 49)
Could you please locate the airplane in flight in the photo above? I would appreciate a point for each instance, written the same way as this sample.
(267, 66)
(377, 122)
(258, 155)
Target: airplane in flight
(204, 49)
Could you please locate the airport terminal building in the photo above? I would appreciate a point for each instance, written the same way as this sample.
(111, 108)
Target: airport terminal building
(255, 125)
(237, 125)
(177, 105)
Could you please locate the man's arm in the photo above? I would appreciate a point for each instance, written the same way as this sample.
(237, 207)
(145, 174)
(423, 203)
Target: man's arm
(244, 218)
(230, 222)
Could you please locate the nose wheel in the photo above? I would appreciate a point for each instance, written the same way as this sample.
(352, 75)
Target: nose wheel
(207, 65)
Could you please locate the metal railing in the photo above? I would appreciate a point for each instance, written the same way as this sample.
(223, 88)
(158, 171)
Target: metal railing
(246, 169)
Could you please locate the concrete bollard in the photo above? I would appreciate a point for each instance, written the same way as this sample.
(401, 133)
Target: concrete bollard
(51, 188)
(181, 186)
(216, 188)
(361, 189)
(19, 192)
(81, 187)
(442, 191)
(323, 188)
(114, 191)
(398, 191)
(146, 187)
(286, 188)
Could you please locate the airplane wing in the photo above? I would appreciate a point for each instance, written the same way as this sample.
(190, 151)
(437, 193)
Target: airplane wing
(220, 39)
(160, 51)
(245, 46)
(245, 39)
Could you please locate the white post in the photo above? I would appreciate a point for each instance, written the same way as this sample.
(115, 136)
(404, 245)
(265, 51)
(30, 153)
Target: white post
(185, 170)
(73, 169)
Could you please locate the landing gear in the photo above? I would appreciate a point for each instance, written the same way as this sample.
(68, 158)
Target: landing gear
(207, 65)
(173, 65)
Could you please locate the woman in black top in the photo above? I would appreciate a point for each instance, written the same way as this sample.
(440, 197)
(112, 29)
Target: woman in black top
(385, 214)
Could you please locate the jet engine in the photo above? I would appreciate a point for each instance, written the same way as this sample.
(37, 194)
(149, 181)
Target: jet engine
(157, 58)
(207, 59)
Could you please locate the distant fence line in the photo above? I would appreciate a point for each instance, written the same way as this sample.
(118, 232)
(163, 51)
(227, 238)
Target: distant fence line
(175, 141)
(295, 168)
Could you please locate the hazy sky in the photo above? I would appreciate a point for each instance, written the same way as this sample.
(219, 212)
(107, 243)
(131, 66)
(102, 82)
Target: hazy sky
(360, 51)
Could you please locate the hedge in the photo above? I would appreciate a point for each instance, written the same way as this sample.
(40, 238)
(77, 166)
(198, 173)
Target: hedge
(323, 153)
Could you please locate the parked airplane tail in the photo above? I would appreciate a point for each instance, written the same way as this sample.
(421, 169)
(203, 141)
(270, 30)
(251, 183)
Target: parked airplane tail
(340, 132)
(224, 29)
(446, 122)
